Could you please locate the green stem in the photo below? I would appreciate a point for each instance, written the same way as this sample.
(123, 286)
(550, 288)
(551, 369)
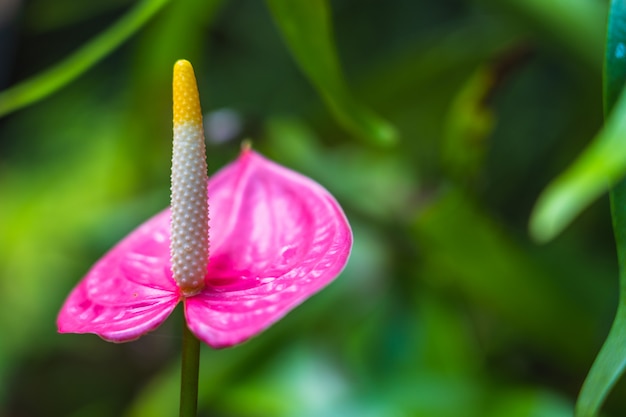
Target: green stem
(189, 374)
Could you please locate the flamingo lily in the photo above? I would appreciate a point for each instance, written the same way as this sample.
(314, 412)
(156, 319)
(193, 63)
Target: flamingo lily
(276, 237)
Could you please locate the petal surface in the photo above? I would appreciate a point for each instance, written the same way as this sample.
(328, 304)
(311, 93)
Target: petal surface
(277, 238)
(128, 292)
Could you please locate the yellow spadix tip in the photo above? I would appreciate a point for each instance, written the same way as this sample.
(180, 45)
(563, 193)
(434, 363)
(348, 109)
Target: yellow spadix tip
(186, 97)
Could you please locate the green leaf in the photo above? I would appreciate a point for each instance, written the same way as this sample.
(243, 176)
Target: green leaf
(51, 80)
(307, 29)
(611, 361)
(602, 164)
(607, 368)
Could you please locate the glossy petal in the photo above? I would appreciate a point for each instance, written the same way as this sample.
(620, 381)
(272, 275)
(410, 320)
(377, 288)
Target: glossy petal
(128, 292)
(277, 237)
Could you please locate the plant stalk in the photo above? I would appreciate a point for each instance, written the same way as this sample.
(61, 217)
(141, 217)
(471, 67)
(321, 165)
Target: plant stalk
(189, 374)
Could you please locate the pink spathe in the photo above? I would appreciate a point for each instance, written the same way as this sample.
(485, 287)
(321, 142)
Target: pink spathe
(276, 238)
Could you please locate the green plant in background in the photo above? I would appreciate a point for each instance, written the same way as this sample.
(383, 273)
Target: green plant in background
(58, 76)
(436, 125)
(609, 163)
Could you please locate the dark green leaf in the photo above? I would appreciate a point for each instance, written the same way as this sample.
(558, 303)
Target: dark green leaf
(307, 29)
(611, 361)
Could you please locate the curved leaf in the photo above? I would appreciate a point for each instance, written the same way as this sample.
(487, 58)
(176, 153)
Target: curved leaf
(606, 370)
(601, 165)
(51, 80)
(611, 361)
(307, 29)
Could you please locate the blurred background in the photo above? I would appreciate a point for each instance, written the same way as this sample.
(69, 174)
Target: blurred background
(436, 124)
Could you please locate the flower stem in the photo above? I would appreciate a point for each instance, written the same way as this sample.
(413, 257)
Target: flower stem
(189, 374)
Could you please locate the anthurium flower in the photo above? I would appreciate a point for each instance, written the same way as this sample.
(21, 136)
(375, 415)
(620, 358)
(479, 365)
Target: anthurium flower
(276, 237)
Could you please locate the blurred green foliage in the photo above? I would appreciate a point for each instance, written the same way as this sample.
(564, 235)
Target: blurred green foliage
(436, 124)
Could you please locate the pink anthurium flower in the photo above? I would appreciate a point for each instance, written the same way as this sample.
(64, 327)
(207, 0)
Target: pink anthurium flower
(276, 238)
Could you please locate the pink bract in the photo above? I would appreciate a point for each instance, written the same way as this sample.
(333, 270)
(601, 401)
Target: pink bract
(276, 238)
